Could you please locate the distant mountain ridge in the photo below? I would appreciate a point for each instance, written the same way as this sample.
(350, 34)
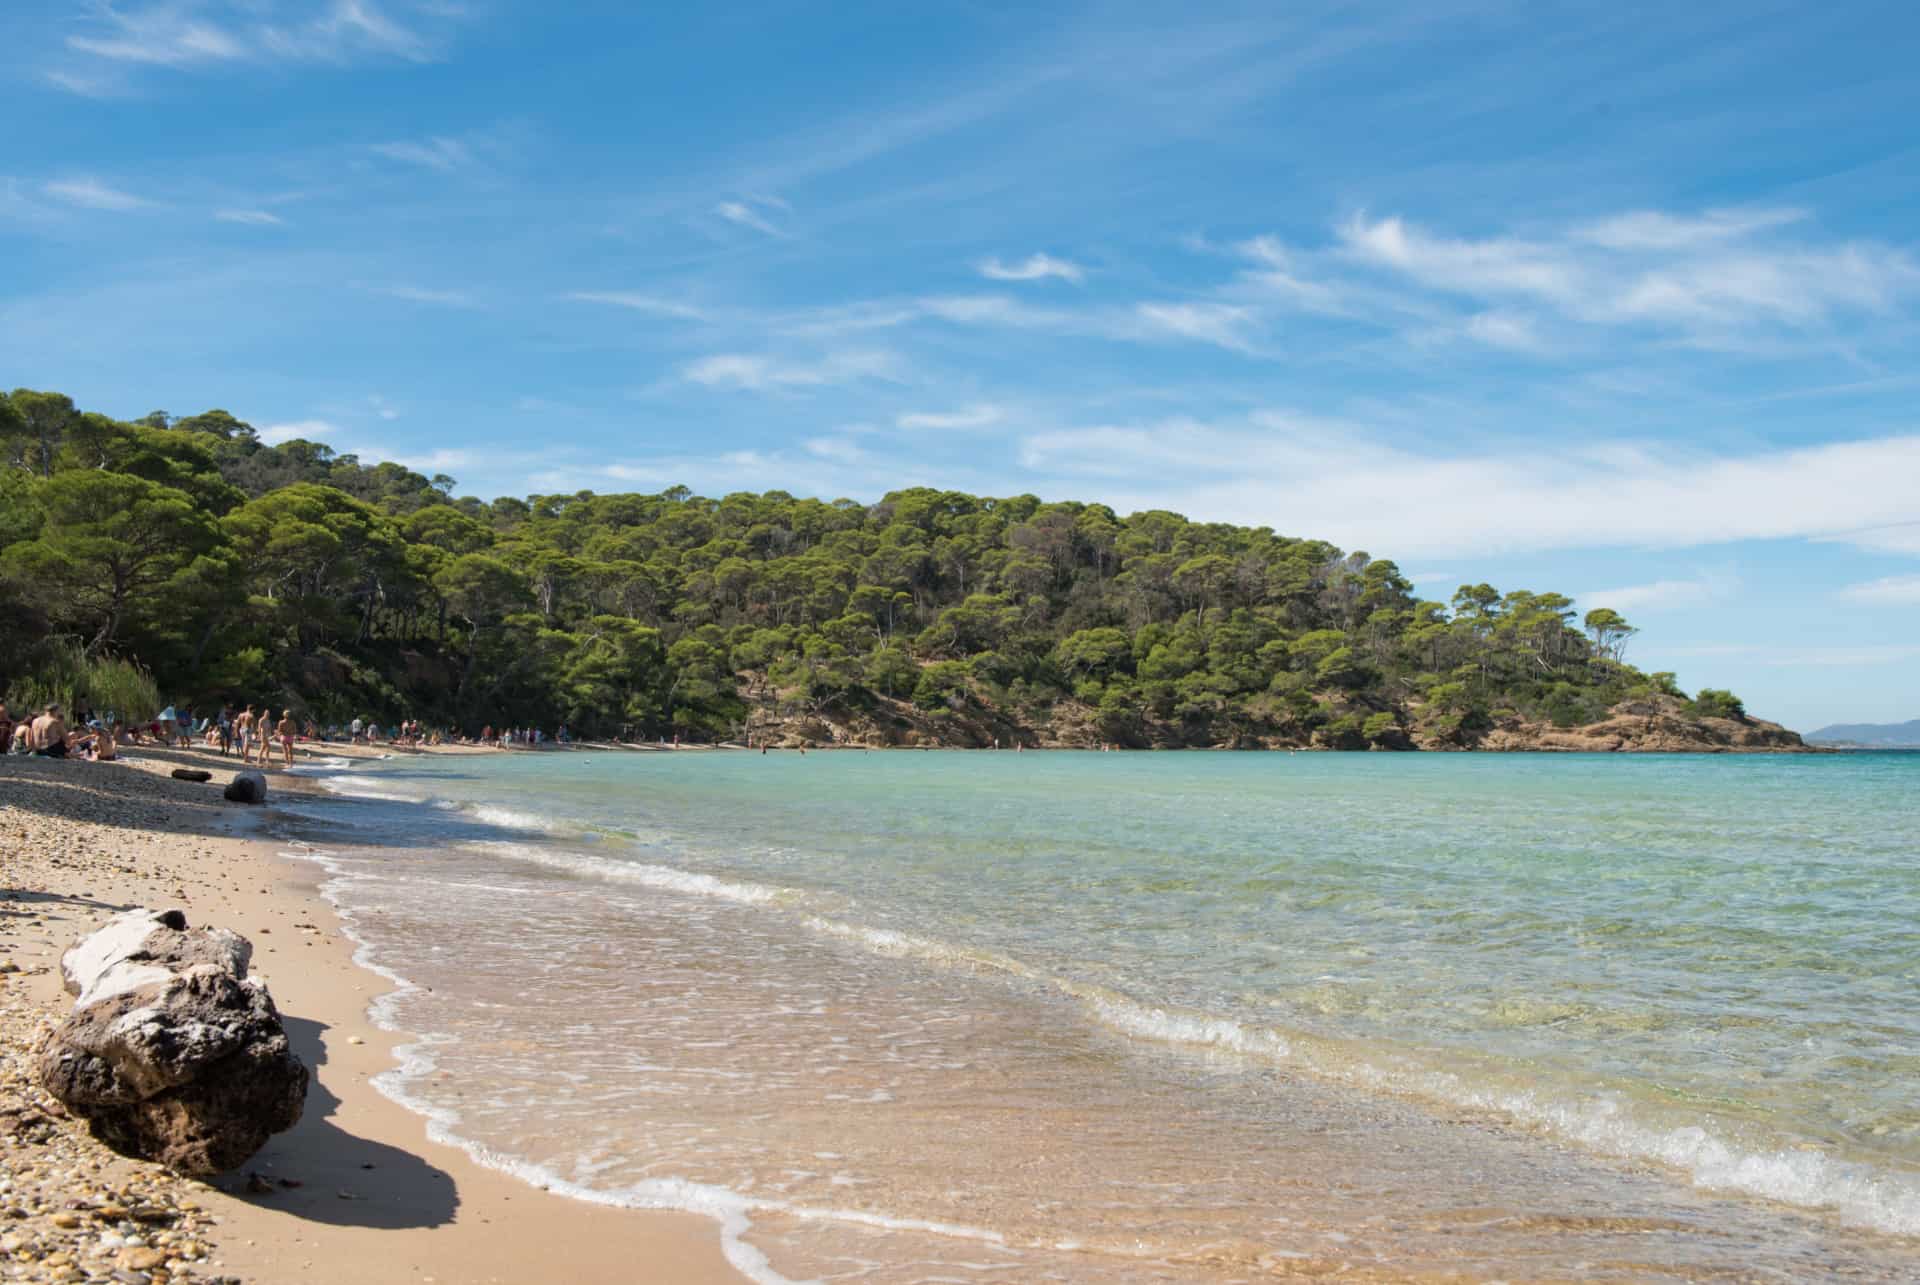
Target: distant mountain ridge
(1878, 735)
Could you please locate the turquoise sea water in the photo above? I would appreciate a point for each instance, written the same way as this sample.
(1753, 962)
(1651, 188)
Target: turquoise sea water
(916, 1016)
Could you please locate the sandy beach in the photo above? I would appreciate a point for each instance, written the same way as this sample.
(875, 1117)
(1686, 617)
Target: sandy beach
(356, 1191)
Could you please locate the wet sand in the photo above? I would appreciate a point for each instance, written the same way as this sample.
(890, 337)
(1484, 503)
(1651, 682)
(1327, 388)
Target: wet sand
(356, 1191)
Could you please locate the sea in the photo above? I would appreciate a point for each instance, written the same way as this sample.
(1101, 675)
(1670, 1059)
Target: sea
(966, 1016)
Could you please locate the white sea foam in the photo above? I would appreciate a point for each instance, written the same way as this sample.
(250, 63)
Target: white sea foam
(366, 787)
(666, 878)
(888, 941)
(512, 819)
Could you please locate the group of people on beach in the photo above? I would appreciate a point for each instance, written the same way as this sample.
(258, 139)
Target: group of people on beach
(99, 737)
(522, 737)
(47, 735)
(256, 734)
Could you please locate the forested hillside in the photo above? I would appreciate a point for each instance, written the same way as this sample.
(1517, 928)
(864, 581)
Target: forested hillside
(287, 574)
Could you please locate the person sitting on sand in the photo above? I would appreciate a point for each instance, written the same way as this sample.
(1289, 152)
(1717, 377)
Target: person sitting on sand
(285, 730)
(50, 734)
(98, 745)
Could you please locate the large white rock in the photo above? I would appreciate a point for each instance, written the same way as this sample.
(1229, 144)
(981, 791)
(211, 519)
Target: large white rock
(142, 947)
(172, 1053)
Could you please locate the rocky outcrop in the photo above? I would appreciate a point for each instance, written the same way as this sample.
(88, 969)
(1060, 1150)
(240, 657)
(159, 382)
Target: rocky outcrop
(1656, 724)
(247, 787)
(196, 774)
(172, 1053)
(1661, 726)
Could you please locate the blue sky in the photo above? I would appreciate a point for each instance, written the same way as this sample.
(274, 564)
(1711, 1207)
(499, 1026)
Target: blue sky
(1618, 300)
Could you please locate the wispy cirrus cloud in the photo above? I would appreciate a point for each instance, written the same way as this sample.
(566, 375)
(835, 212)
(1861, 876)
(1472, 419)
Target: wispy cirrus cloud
(1035, 267)
(189, 34)
(977, 416)
(311, 430)
(1223, 325)
(1712, 277)
(163, 35)
(344, 29)
(1888, 591)
(1661, 595)
(423, 294)
(743, 214)
(92, 194)
(437, 153)
(1657, 230)
(254, 218)
(652, 305)
(756, 373)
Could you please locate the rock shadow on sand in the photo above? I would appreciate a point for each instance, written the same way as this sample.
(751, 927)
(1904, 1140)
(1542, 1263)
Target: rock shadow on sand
(320, 1172)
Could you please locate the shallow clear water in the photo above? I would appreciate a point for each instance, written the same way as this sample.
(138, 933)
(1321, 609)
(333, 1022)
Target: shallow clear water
(976, 1016)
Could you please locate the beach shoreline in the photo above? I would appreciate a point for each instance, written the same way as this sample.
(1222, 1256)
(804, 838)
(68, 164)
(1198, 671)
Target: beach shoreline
(357, 1190)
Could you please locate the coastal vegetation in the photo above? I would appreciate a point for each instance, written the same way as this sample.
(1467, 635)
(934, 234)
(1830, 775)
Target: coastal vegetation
(230, 569)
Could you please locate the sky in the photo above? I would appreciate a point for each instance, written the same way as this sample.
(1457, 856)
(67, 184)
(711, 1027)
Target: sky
(1621, 301)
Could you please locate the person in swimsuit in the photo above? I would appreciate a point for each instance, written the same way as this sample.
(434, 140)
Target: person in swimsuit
(50, 734)
(285, 729)
(243, 732)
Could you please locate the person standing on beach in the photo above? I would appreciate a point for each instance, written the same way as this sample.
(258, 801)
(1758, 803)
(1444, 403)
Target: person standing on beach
(243, 732)
(285, 729)
(226, 729)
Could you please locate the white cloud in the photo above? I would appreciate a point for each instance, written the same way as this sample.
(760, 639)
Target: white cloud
(744, 215)
(177, 34)
(1333, 481)
(92, 194)
(1210, 323)
(437, 153)
(1505, 330)
(260, 218)
(346, 28)
(1655, 230)
(767, 374)
(1035, 267)
(981, 416)
(161, 35)
(1277, 273)
(1664, 595)
(420, 294)
(650, 304)
(312, 430)
(840, 450)
(1213, 323)
(996, 310)
(1889, 591)
(1501, 266)
(1707, 277)
(1899, 537)
(96, 86)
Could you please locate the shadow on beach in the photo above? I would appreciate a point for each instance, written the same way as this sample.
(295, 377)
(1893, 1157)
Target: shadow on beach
(122, 796)
(19, 902)
(339, 1178)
